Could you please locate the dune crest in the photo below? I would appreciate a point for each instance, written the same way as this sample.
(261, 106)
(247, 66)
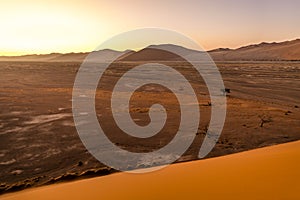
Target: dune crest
(266, 173)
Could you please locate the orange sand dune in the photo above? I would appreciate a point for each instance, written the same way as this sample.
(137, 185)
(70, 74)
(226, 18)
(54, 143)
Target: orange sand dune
(266, 173)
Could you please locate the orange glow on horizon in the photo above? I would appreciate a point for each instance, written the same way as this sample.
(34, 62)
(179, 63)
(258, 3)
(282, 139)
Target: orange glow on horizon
(40, 27)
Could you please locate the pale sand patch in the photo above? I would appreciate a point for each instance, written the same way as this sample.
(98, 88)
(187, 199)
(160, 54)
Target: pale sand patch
(266, 173)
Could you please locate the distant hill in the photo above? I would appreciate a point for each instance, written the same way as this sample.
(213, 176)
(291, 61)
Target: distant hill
(46, 57)
(282, 51)
(101, 55)
(155, 53)
(289, 50)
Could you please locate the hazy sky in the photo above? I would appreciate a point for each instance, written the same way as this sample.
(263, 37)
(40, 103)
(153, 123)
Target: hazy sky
(45, 26)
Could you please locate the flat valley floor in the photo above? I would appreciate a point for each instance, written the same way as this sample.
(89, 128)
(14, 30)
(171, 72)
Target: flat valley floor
(39, 143)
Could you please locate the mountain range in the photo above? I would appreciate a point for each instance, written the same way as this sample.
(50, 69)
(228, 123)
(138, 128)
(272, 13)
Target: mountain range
(282, 51)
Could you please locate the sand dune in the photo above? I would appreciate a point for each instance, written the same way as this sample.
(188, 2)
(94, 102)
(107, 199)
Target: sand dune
(283, 51)
(266, 173)
(289, 50)
(154, 53)
(101, 55)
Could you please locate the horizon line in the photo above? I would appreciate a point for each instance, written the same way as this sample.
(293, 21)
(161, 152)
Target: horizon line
(241, 46)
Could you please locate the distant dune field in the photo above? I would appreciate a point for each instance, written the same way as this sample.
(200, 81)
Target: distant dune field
(283, 51)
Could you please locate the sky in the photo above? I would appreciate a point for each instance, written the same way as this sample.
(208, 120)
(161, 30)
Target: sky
(46, 26)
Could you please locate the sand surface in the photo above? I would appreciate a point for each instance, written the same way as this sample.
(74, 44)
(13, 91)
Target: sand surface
(265, 173)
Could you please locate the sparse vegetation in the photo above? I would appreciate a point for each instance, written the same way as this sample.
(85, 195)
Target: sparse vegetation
(287, 112)
(264, 119)
(225, 91)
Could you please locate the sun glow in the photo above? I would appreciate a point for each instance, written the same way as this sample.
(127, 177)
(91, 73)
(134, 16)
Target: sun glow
(46, 26)
(45, 29)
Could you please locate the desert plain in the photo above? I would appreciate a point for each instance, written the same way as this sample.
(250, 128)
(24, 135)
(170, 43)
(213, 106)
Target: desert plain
(40, 145)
